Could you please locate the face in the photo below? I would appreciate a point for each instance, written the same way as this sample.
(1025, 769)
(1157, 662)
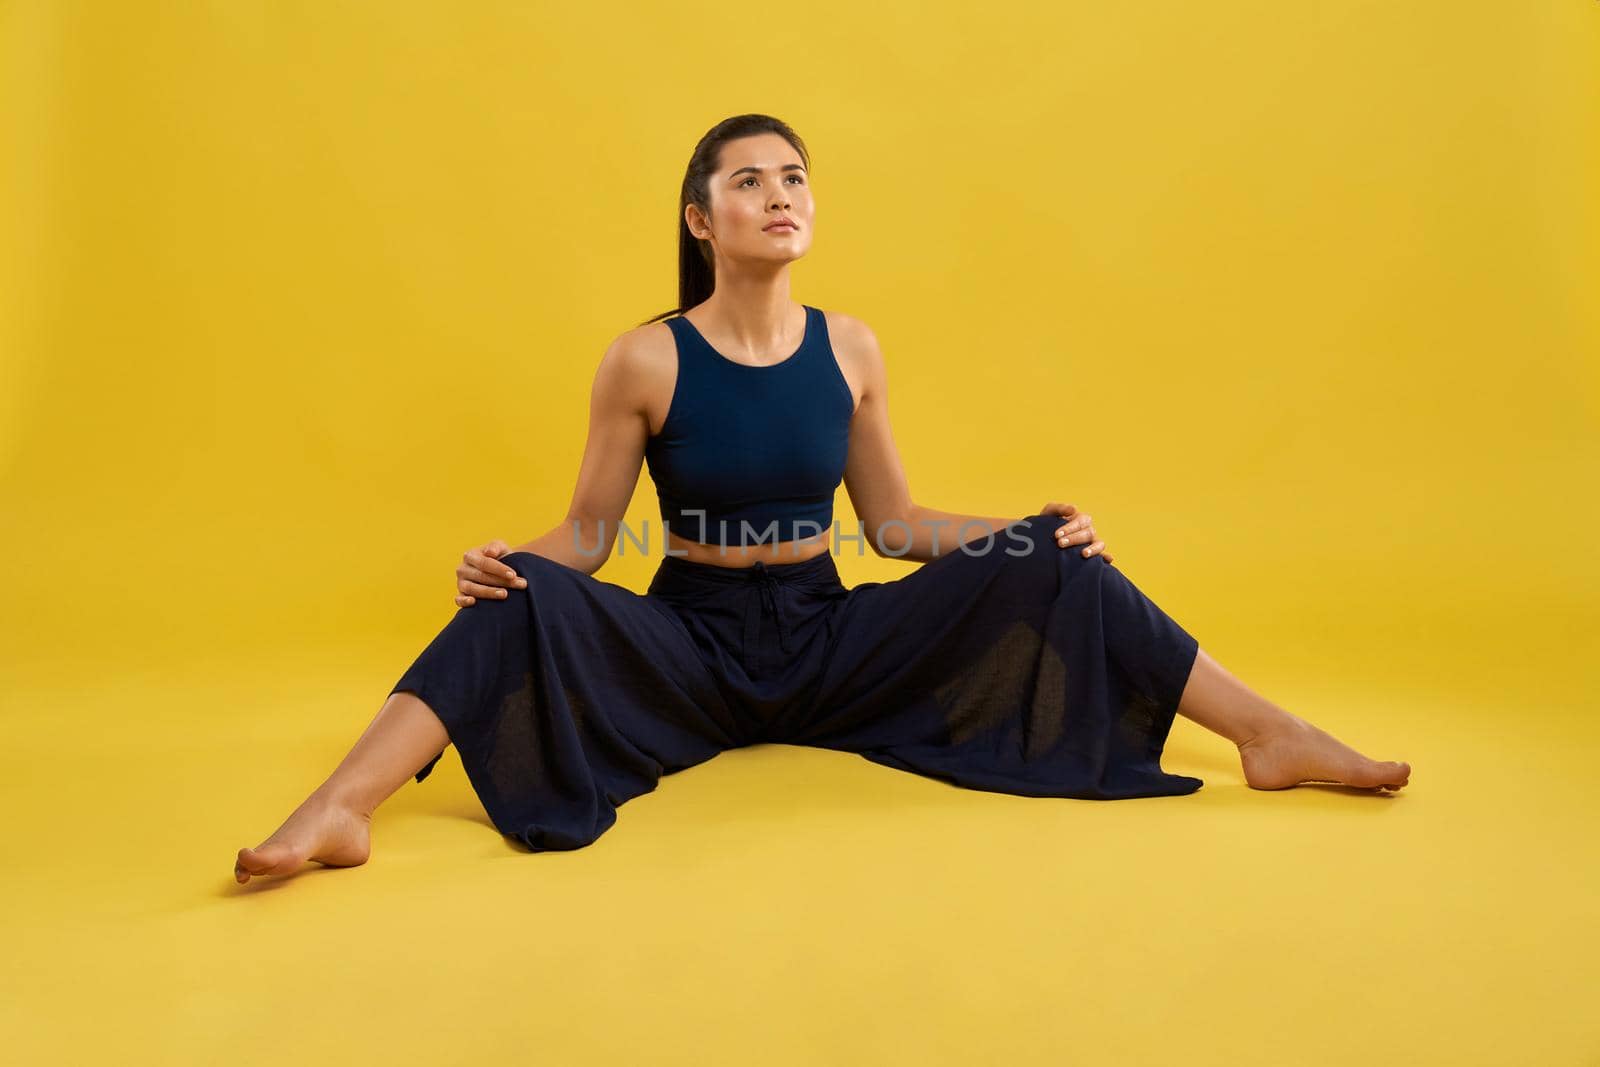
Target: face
(758, 180)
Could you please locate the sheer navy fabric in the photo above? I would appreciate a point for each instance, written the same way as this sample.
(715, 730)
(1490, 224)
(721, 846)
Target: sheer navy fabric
(1037, 673)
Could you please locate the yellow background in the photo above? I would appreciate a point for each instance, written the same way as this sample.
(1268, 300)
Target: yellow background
(298, 301)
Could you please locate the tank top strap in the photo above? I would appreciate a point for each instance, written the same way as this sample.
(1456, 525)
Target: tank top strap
(695, 356)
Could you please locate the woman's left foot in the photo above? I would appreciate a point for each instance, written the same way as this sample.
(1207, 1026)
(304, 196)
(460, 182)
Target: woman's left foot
(320, 830)
(1299, 752)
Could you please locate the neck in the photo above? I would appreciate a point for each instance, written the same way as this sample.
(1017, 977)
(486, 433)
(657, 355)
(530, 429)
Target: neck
(755, 312)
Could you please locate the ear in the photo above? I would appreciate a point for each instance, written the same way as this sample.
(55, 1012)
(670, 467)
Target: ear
(699, 226)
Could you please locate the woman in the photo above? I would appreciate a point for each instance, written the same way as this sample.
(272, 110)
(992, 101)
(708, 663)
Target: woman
(1017, 659)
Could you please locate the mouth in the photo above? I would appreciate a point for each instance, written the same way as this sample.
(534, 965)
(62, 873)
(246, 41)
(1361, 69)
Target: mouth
(781, 226)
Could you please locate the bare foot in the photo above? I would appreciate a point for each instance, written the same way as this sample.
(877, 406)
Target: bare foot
(321, 830)
(1300, 752)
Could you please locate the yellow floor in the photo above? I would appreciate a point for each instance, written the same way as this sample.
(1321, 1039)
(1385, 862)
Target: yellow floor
(298, 301)
(785, 905)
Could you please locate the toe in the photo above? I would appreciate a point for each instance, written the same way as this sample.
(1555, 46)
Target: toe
(263, 860)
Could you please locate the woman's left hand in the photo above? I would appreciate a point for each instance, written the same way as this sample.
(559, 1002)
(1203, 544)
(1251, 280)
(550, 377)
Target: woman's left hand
(1079, 529)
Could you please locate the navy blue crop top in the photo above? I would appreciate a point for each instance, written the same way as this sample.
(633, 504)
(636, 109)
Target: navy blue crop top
(752, 455)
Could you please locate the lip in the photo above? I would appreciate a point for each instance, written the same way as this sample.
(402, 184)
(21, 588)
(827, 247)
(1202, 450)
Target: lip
(780, 226)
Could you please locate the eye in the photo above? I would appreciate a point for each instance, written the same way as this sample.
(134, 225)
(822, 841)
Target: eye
(796, 177)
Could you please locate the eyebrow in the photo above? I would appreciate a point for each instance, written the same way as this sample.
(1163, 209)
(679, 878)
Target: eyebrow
(758, 170)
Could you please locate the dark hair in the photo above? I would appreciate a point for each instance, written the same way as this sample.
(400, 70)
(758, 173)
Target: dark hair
(696, 261)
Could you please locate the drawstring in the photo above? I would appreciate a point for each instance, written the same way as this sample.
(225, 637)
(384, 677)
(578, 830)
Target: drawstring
(769, 592)
(815, 578)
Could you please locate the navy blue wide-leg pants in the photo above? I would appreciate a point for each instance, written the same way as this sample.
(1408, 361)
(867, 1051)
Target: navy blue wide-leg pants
(1008, 664)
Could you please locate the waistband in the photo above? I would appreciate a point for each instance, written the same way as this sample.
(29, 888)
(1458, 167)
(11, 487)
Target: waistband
(679, 576)
(819, 574)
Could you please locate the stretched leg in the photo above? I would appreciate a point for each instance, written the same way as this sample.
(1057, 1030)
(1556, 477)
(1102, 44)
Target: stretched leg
(1276, 748)
(1016, 667)
(565, 699)
(1047, 674)
(331, 826)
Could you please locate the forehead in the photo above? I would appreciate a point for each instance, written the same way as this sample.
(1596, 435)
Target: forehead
(765, 152)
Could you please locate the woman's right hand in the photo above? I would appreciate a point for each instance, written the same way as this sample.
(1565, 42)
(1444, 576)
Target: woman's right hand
(480, 575)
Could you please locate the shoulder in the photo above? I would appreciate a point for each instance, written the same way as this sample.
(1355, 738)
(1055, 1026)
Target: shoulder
(855, 345)
(853, 339)
(642, 348)
(645, 352)
(639, 362)
(851, 332)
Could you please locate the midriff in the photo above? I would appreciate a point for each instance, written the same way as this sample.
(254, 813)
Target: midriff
(737, 556)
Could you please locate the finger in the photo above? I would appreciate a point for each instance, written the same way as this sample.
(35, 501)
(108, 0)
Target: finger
(481, 558)
(1070, 534)
(1092, 549)
(1078, 522)
(486, 569)
(465, 602)
(1056, 508)
(506, 577)
(1109, 557)
(479, 589)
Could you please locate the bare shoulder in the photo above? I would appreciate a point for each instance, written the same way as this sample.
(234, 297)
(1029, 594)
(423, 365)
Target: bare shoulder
(639, 371)
(642, 349)
(852, 337)
(855, 346)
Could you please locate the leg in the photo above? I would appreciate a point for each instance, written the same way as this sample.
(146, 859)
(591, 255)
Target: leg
(564, 700)
(1047, 674)
(332, 825)
(1018, 668)
(1277, 749)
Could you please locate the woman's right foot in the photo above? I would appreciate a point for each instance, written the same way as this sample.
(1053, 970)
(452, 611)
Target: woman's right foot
(321, 830)
(1296, 751)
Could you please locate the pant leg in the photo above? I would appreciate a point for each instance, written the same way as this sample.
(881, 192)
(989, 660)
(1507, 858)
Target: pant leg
(566, 699)
(1040, 674)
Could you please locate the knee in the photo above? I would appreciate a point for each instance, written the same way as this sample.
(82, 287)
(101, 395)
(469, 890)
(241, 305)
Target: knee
(533, 571)
(535, 568)
(1032, 544)
(523, 562)
(1032, 535)
(1040, 532)
(550, 584)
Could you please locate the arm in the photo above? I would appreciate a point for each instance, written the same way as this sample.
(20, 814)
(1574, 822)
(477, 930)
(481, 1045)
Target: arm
(876, 480)
(613, 455)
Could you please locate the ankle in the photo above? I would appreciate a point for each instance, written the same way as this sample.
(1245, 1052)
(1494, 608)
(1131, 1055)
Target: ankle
(1270, 726)
(344, 799)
